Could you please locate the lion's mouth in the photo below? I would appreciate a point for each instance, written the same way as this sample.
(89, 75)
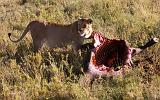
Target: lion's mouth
(85, 35)
(88, 35)
(82, 34)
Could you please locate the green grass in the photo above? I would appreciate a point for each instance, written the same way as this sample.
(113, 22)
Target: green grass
(26, 76)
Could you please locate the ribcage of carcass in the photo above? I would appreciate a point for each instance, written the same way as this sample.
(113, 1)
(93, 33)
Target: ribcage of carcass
(112, 53)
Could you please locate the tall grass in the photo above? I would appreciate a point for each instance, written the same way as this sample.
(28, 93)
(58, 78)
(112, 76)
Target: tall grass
(25, 75)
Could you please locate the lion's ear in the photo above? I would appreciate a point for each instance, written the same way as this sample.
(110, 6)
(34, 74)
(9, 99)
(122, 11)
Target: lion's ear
(90, 21)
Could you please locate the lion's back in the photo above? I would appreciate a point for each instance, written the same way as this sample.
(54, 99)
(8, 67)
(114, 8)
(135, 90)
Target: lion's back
(60, 35)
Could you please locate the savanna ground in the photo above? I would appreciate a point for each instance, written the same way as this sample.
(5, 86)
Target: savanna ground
(26, 76)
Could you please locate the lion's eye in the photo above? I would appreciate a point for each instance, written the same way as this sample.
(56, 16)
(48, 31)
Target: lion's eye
(84, 26)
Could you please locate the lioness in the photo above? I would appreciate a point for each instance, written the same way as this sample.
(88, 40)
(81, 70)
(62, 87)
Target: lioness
(57, 35)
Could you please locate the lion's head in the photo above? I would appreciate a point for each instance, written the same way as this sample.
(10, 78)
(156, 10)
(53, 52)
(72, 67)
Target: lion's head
(85, 27)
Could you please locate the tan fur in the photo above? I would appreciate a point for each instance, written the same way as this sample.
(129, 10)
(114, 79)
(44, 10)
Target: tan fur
(56, 35)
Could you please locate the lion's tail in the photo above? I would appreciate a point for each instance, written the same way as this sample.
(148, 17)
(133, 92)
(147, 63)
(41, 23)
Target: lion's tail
(22, 36)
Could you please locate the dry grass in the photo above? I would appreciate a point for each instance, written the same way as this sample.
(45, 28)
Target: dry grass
(25, 75)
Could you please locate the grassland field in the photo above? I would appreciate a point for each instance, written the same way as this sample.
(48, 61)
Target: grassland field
(28, 76)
